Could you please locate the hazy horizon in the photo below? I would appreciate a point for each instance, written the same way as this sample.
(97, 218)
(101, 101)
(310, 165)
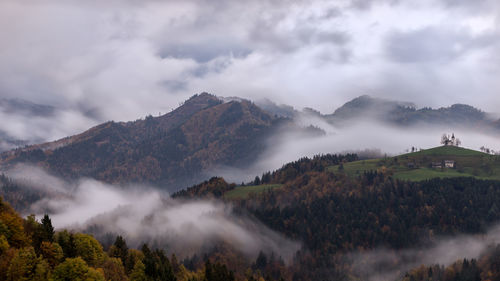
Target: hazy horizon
(121, 60)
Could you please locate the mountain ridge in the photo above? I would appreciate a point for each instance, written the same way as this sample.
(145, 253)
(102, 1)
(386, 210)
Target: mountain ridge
(173, 149)
(181, 147)
(407, 114)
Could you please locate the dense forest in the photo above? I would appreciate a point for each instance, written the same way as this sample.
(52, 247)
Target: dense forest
(216, 186)
(486, 267)
(32, 250)
(20, 195)
(332, 214)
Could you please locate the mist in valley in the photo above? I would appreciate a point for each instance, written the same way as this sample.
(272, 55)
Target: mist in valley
(370, 77)
(384, 264)
(188, 227)
(145, 214)
(365, 136)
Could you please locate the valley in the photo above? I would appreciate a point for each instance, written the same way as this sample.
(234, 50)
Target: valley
(195, 140)
(315, 218)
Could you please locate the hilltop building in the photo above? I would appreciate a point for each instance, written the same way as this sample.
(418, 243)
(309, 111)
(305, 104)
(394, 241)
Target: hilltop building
(449, 163)
(450, 141)
(443, 164)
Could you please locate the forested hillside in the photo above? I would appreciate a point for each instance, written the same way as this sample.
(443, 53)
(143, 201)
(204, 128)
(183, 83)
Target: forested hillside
(335, 205)
(335, 214)
(486, 267)
(332, 214)
(32, 250)
(185, 146)
(173, 150)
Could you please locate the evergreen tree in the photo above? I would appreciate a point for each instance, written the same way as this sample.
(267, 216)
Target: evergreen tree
(119, 249)
(47, 229)
(256, 181)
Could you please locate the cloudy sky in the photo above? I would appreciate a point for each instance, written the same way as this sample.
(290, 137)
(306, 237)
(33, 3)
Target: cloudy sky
(121, 60)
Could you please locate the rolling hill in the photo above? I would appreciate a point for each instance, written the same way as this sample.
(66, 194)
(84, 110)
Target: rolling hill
(337, 205)
(415, 167)
(184, 146)
(174, 150)
(429, 163)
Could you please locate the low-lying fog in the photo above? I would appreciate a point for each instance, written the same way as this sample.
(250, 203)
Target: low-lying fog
(144, 214)
(368, 138)
(387, 264)
(187, 227)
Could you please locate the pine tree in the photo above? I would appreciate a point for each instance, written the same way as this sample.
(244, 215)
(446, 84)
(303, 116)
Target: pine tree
(47, 229)
(256, 181)
(119, 249)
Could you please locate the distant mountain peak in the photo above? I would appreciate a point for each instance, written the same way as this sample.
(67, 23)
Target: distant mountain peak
(234, 98)
(203, 98)
(367, 105)
(281, 110)
(174, 150)
(17, 105)
(464, 107)
(367, 101)
(405, 113)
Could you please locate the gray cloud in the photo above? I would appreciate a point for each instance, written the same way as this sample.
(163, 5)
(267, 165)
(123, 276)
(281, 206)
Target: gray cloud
(433, 44)
(479, 6)
(203, 52)
(123, 60)
(304, 34)
(27, 123)
(367, 4)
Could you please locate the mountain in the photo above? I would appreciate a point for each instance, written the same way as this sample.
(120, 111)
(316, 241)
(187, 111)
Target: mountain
(405, 114)
(205, 133)
(365, 105)
(24, 108)
(275, 109)
(7, 142)
(173, 150)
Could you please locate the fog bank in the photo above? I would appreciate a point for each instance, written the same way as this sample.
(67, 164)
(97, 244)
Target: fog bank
(144, 214)
(368, 138)
(386, 264)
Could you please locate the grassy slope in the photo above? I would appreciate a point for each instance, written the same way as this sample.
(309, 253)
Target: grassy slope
(245, 191)
(448, 150)
(469, 163)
